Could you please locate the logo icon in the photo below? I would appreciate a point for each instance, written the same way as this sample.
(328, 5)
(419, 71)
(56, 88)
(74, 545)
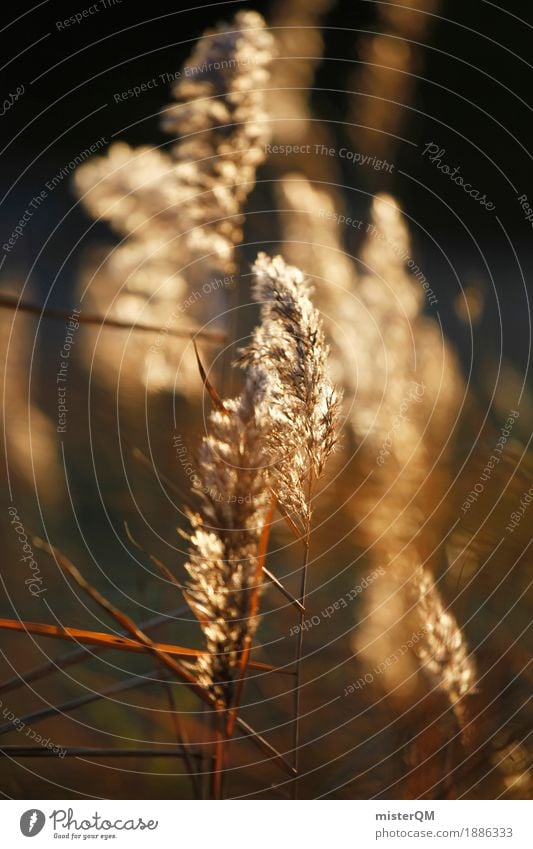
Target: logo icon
(32, 822)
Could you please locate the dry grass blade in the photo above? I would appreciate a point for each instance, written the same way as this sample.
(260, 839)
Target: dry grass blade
(182, 740)
(109, 641)
(299, 533)
(277, 583)
(137, 682)
(162, 656)
(87, 752)
(267, 747)
(172, 487)
(93, 638)
(213, 394)
(161, 651)
(9, 302)
(125, 621)
(72, 657)
(165, 571)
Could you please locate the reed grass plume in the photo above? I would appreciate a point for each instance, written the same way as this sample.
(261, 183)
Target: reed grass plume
(405, 407)
(277, 433)
(489, 557)
(289, 344)
(402, 388)
(223, 555)
(443, 652)
(312, 240)
(180, 211)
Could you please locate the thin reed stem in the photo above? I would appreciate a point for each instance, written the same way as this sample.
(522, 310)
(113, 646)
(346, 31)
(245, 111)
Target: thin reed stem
(218, 756)
(300, 644)
(183, 741)
(12, 302)
(299, 653)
